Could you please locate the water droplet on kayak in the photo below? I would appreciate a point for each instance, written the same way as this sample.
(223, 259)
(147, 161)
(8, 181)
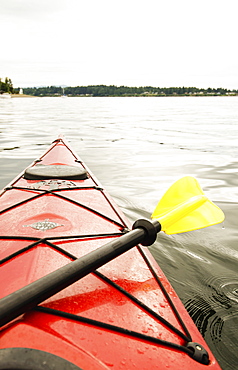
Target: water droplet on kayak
(109, 364)
(140, 351)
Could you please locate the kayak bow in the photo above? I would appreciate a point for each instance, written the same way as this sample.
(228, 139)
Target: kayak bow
(64, 226)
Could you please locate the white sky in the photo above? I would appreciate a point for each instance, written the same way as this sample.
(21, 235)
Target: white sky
(119, 42)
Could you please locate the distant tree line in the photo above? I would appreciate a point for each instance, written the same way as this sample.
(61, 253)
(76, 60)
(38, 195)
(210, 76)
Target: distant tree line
(6, 86)
(112, 90)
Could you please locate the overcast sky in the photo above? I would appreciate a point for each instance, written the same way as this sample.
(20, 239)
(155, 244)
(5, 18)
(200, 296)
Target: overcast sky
(119, 42)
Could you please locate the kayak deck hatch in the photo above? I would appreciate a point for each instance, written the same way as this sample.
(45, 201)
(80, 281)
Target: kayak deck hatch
(57, 171)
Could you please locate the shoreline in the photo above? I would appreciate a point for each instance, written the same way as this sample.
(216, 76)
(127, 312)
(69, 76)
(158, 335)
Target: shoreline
(123, 96)
(22, 96)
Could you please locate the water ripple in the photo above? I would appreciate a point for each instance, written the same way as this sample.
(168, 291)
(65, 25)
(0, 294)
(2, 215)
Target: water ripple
(216, 316)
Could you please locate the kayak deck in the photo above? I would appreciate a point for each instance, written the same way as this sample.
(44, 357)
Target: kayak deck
(124, 315)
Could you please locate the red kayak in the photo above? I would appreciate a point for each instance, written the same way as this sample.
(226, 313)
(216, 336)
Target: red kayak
(69, 298)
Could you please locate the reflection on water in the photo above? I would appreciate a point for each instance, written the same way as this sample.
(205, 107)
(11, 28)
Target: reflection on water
(138, 147)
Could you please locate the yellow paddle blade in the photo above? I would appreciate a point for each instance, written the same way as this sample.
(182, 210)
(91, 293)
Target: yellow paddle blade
(184, 207)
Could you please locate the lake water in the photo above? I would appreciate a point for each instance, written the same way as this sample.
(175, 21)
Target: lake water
(137, 147)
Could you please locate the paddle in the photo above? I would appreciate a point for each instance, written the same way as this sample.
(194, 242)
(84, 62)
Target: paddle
(176, 212)
(184, 207)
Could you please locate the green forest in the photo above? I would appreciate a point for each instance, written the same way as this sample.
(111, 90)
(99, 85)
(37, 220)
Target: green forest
(112, 90)
(6, 86)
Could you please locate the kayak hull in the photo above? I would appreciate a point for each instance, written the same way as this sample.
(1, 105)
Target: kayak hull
(125, 315)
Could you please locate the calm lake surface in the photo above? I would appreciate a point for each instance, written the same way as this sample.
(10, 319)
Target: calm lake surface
(137, 147)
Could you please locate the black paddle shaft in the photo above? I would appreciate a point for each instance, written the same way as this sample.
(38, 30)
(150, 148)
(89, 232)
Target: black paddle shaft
(31, 295)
